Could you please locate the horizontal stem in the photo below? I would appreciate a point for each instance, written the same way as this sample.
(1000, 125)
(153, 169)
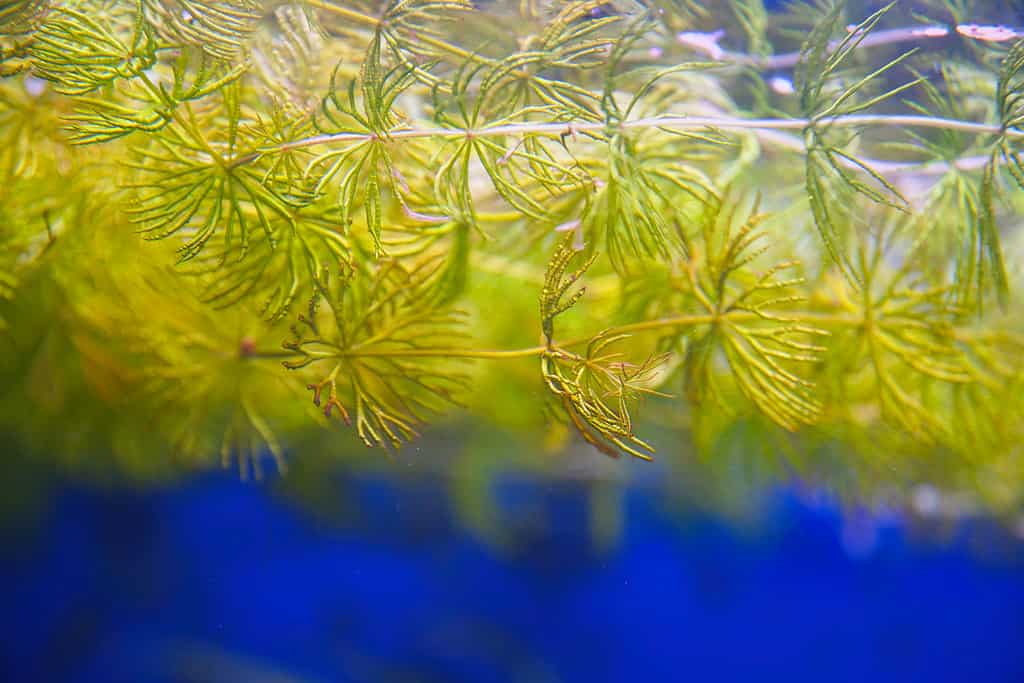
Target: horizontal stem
(445, 353)
(265, 354)
(788, 60)
(820, 318)
(701, 43)
(500, 354)
(680, 123)
(710, 48)
(344, 12)
(707, 44)
(659, 323)
(873, 39)
(767, 126)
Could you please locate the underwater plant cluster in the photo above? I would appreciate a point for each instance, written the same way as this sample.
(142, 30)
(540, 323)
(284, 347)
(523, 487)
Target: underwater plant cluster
(792, 231)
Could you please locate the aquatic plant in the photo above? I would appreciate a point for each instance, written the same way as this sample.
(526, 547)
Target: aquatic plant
(726, 216)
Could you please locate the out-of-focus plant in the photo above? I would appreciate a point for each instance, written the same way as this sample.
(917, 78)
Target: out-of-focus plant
(803, 240)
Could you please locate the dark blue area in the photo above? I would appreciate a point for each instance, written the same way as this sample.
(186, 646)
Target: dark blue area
(217, 580)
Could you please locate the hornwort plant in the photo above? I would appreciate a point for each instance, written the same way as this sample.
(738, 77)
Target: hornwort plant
(800, 225)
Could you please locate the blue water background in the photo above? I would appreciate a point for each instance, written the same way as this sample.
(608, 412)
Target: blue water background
(219, 580)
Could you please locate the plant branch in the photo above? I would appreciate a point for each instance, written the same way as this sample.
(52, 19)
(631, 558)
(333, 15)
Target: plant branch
(707, 43)
(766, 128)
(502, 354)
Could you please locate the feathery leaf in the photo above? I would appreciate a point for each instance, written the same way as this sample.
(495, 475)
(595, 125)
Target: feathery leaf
(388, 355)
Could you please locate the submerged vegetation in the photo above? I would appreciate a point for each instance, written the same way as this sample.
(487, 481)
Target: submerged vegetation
(792, 232)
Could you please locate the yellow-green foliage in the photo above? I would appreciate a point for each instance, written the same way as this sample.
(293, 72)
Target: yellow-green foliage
(560, 217)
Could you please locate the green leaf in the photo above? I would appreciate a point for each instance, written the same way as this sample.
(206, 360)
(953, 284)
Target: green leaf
(18, 17)
(279, 267)
(831, 174)
(80, 48)
(759, 332)
(592, 390)
(639, 208)
(220, 29)
(389, 357)
(553, 299)
(187, 186)
(990, 252)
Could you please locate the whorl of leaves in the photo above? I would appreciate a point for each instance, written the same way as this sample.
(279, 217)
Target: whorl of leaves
(758, 323)
(188, 187)
(834, 178)
(221, 29)
(593, 389)
(80, 52)
(388, 360)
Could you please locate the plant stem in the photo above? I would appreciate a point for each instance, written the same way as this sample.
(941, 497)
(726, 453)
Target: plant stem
(894, 36)
(768, 127)
(447, 353)
(677, 123)
(352, 15)
(503, 354)
(788, 60)
(785, 60)
(763, 127)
